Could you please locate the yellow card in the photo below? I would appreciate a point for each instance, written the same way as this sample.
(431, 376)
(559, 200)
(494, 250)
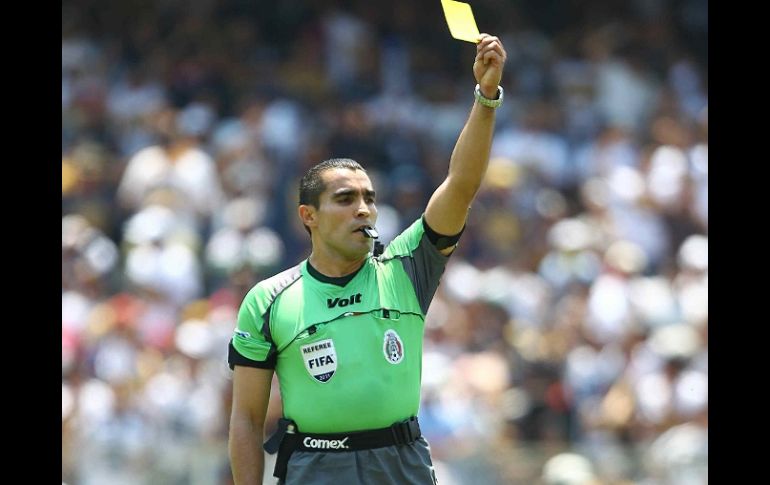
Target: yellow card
(459, 18)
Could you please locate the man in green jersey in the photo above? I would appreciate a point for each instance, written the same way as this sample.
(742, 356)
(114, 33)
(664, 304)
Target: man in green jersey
(343, 329)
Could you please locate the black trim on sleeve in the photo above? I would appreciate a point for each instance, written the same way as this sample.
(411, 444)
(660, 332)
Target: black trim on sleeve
(439, 240)
(234, 358)
(424, 268)
(275, 285)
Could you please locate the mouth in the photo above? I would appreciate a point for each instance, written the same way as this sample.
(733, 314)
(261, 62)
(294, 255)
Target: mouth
(368, 231)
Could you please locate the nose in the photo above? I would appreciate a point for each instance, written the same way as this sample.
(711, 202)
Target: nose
(363, 209)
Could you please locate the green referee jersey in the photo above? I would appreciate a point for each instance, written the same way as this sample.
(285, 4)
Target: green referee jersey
(347, 357)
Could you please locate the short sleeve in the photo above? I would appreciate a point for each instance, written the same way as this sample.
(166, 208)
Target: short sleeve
(251, 344)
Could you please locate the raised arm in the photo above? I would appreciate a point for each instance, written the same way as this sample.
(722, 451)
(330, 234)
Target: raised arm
(251, 394)
(448, 206)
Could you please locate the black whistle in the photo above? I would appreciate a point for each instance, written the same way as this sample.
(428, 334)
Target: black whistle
(370, 232)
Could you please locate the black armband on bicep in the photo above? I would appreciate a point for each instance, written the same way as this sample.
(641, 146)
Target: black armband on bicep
(439, 240)
(234, 358)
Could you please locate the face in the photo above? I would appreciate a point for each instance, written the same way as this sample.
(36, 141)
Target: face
(344, 207)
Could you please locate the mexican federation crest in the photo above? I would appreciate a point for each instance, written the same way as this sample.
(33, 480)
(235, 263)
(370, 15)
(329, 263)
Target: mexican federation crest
(320, 359)
(393, 347)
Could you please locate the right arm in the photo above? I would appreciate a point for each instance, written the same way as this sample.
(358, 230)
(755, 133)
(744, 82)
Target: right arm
(448, 207)
(251, 395)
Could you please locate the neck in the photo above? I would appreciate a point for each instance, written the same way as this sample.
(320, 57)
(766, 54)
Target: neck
(335, 267)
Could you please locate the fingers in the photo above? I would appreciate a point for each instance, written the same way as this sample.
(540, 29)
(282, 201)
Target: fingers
(489, 48)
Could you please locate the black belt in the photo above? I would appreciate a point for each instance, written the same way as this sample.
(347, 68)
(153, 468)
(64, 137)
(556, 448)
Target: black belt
(287, 439)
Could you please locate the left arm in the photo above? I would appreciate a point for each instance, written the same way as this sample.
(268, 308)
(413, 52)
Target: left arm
(448, 206)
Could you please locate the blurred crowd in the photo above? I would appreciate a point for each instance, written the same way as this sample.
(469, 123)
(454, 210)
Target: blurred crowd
(568, 341)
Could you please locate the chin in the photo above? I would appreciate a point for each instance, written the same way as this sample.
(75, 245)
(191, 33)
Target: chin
(360, 252)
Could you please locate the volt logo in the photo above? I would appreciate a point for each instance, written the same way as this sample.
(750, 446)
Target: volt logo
(343, 301)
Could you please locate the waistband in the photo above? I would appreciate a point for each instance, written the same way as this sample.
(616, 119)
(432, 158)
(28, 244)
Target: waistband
(401, 433)
(286, 440)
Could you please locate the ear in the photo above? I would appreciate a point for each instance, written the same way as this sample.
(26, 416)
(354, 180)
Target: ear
(307, 214)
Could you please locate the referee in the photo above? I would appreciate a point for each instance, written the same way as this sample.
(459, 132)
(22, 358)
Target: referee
(344, 328)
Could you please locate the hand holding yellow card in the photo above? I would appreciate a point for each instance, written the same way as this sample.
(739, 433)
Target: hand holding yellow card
(459, 17)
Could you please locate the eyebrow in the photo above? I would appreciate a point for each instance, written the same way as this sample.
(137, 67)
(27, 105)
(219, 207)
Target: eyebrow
(345, 192)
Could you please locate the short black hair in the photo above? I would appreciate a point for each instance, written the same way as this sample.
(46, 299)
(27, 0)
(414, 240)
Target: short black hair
(312, 185)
